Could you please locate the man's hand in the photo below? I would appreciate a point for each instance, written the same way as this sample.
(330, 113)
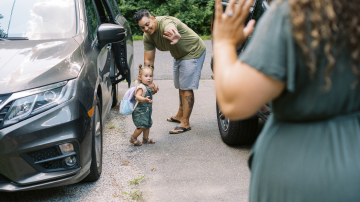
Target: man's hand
(173, 35)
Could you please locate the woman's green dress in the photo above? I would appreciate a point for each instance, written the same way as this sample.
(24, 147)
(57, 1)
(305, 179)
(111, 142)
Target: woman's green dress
(309, 149)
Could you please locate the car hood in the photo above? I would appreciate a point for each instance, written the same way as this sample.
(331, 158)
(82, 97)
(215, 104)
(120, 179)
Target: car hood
(27, 64)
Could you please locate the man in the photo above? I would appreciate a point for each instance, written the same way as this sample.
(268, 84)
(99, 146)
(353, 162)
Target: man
(168, 33)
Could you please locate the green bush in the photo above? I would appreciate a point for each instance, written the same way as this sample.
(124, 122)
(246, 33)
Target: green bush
(196, 14)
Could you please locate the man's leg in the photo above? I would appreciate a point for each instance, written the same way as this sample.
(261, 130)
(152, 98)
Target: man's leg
(179, 114)
(188, 100)
(188, 104)
(187, 77)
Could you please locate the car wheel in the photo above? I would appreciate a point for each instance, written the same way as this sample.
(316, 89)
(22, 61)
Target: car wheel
(114, 95)
(242, 132)
(97, 145)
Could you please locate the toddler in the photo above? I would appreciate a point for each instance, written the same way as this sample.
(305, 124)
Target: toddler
(142, 113)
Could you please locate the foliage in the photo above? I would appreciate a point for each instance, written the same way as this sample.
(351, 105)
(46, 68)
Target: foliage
(134, 195)
(196, 14)
(2, 32)
(137, 180)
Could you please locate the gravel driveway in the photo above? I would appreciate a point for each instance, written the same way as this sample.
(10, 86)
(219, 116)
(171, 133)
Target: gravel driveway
(119, 168)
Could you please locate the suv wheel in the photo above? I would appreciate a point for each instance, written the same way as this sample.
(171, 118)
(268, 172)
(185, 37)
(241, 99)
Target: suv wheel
(242, 132)
(97, 145)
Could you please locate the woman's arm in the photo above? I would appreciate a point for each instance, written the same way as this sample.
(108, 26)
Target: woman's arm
(240, 89)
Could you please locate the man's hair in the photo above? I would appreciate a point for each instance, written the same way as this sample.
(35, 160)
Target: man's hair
(140, 14)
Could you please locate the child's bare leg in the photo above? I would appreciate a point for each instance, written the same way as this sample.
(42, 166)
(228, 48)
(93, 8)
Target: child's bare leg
(146, 133)
(136, 134)
(146, 137)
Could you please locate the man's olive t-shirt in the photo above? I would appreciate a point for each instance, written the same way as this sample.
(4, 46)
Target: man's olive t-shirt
(190, 45)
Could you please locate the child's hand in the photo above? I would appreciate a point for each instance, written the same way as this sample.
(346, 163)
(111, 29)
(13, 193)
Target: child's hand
(147, 99)
(156, 89)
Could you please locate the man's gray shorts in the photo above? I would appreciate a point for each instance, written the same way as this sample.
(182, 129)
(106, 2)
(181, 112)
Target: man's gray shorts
(187, 73)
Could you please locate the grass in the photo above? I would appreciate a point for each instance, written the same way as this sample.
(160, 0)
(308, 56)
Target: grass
(139, 38)
(134, 194)
(112, 127)
(137, 180)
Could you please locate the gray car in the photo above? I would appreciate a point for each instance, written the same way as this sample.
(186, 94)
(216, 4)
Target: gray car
(60, 63)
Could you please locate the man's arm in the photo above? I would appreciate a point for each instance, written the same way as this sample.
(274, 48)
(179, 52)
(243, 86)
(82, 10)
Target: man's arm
(149, 58)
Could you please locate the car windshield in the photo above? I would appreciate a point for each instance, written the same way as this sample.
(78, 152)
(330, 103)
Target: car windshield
(37, 19)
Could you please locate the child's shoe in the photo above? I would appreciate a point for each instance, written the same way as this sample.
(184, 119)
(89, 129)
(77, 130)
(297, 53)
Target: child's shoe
(136, 142)
(148, 141)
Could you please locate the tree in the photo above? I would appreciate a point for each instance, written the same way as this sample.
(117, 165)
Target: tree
(2, 32)
(196, 14)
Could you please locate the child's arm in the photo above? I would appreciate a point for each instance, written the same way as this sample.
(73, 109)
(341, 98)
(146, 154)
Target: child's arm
(156, 90)
(140, 98)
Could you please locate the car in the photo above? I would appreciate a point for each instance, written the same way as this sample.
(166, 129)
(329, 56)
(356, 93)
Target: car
(60, 65)
(243, 132)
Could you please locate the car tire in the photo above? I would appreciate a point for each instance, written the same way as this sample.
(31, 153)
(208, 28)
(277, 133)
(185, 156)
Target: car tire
(233, 133)
(114, 95)
(97, 145)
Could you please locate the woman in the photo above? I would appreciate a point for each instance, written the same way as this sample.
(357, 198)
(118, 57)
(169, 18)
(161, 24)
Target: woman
(303, 57)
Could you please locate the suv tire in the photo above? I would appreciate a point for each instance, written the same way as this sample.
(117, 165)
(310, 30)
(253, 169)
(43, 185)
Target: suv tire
(233, 133)
(97, 145)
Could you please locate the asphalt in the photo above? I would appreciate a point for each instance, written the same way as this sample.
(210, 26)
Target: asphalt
(192, 166)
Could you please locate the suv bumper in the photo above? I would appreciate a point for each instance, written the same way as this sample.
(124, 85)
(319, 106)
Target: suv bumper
(29, 153)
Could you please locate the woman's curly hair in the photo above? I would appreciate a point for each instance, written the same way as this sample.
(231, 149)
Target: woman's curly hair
(327, 21)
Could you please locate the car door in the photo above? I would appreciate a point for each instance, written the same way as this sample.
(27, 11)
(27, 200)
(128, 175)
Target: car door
(123, 50)
(100, 57)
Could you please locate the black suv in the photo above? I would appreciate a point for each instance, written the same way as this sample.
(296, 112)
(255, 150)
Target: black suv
(60, 63)
(243, 132)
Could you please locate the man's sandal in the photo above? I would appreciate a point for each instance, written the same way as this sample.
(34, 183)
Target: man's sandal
(180, 128)
(171, 119)
(136, 142)
(148, 141)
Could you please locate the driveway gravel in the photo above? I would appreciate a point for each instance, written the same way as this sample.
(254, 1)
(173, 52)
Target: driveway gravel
(119, 168)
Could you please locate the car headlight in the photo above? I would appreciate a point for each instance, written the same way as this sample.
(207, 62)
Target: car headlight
(31, 102)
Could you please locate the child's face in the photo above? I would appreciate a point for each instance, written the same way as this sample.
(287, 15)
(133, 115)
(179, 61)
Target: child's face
(146, 76)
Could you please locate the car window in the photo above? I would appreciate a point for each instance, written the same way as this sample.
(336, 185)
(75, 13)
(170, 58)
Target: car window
(38, 19)
(92, 18)
(114, 7)
(104, 13)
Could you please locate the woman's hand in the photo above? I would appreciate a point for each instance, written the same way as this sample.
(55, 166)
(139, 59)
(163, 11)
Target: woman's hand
(229, 26)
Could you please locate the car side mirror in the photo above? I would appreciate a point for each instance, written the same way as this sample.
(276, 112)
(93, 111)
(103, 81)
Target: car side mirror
(110, 33)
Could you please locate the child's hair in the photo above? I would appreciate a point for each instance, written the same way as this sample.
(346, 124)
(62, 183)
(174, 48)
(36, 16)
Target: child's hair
(141, 68)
